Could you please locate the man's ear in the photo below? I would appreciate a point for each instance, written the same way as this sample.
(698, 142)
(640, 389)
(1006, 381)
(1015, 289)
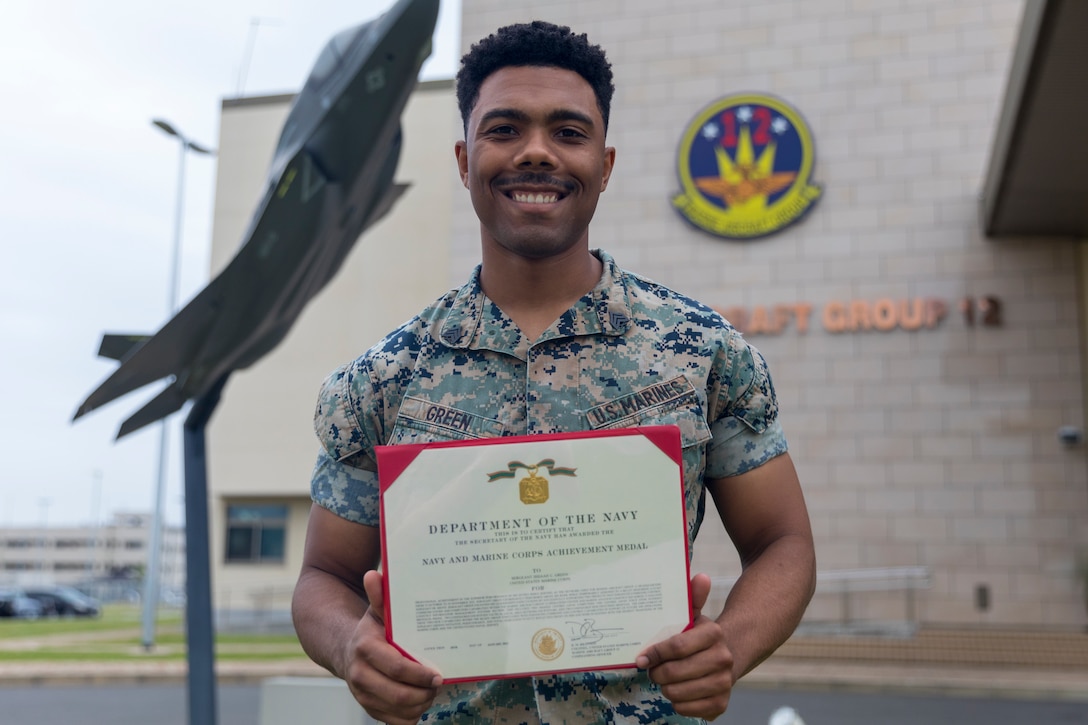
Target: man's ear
(609, 162)
(460, 150)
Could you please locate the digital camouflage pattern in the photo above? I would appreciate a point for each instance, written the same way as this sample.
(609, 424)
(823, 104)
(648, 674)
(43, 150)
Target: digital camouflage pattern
(629, 353)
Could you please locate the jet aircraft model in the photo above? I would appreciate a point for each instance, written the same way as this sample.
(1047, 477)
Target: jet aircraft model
(331, 178)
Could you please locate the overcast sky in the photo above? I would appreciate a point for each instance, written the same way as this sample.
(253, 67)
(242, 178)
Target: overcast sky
(87, 203)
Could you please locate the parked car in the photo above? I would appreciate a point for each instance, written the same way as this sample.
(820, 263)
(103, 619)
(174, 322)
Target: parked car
(16, 604)
(64, 602)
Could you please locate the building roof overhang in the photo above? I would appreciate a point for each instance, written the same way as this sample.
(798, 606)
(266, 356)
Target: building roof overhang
(1037, 181)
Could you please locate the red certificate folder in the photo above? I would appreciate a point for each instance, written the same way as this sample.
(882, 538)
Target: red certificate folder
(524, 555)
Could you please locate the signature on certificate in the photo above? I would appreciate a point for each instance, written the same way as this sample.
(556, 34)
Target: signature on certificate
(587, 631)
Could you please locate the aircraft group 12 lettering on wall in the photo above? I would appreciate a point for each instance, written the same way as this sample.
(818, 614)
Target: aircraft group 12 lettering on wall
(859, 315)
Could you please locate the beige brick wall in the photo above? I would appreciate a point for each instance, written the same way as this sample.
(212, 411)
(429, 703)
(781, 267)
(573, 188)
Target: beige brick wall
(936, 447)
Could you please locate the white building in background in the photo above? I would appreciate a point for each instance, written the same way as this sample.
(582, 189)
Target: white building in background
(103, 560)
(929, 442)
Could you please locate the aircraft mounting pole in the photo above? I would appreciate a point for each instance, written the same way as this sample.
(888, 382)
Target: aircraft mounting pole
(199, 626)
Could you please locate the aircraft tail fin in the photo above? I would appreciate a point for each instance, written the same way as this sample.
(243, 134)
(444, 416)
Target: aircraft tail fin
(168, 352)
(168, 401)
(119, 346)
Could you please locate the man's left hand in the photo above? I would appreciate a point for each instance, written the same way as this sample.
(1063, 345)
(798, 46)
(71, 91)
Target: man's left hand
(694, 668)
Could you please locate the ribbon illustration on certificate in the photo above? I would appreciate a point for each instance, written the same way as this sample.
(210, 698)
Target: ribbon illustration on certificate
(526, 555)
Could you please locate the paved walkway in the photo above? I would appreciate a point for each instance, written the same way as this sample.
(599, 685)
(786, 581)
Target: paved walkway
(956, 662)
(989, 663)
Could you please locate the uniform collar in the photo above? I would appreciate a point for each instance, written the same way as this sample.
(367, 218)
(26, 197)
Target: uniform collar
(474, 321)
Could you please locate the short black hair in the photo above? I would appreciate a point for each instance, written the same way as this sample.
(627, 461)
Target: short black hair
(538, 43)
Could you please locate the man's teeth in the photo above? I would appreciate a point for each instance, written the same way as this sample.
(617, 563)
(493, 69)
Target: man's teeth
(536, 198)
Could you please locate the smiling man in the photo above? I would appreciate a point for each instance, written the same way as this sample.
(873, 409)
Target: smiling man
(551, 336)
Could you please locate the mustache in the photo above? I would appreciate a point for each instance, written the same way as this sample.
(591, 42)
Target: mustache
(531, 178)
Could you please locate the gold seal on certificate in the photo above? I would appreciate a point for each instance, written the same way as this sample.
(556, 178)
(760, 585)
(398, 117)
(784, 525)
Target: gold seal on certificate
(548, 644)
(534, 554)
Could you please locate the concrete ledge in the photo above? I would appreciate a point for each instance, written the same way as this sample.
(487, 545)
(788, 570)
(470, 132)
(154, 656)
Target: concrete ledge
(293, 700)
(987, 682)
(32, 674)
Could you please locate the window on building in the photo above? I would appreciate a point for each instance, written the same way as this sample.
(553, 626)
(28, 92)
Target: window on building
(134, 544)
(256, 533)
(70, 566)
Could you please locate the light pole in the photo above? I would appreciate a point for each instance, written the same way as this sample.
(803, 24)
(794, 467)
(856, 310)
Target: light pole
(96, 503)
(43, 504)
(154, 554)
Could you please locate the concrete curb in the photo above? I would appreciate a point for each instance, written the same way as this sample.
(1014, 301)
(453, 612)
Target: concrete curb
(975, 681)
(69, 674)
(987, 682)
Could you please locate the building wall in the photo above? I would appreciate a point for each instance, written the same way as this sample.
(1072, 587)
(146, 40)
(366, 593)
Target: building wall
(936, 447)
(261, 443)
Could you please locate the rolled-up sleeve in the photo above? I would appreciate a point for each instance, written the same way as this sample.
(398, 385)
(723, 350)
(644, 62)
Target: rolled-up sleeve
(349, 492)
(746, 431)
(344, 479)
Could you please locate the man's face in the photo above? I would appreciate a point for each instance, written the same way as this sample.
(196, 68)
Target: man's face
(534, 160)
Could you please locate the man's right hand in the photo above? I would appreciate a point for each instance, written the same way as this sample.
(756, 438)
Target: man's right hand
(391, 687)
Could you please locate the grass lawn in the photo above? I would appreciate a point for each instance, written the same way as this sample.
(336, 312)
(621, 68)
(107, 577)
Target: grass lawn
(115, 636)
(114, 616)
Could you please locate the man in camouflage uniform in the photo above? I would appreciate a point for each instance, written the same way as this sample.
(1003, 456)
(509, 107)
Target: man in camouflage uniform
(549, 336)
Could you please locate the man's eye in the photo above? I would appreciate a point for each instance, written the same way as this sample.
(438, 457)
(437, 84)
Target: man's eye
(571, 133)
(502, 130)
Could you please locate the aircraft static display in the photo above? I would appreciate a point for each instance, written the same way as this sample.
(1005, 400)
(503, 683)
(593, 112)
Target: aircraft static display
(330, 179)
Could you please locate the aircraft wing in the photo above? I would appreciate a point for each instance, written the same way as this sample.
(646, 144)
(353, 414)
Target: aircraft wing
(158, 357)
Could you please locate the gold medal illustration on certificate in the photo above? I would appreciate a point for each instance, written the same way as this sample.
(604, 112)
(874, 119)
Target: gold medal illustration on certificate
(533, 488)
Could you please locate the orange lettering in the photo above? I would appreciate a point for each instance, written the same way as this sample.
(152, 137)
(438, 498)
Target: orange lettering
(759, 324)
(911, 314)
(737, 317)
(884, 317)
(859, 315)
(801, 312)
(782, 315)
(935, 311)
(834, 317)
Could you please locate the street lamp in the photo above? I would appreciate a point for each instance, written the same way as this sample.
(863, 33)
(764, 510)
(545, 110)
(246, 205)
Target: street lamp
(154, 555)
(43, 504)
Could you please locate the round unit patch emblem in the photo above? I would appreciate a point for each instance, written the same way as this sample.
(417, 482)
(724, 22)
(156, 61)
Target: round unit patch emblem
(745, 164)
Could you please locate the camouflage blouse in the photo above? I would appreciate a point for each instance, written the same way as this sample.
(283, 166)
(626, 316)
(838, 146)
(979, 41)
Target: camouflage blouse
(630, 352)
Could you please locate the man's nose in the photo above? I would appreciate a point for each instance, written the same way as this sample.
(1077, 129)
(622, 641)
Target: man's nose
(536, 150)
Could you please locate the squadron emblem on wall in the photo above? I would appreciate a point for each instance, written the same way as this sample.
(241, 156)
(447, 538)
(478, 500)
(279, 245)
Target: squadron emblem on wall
(745, 164)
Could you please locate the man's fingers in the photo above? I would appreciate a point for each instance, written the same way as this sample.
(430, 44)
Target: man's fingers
(391, 664)
(384, 658)
(654, 655)
(372, 585)
(700, 592)
(676, 647)
(392, 718)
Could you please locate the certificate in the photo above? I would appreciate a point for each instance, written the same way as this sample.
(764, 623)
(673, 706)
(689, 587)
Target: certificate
(527, 555)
